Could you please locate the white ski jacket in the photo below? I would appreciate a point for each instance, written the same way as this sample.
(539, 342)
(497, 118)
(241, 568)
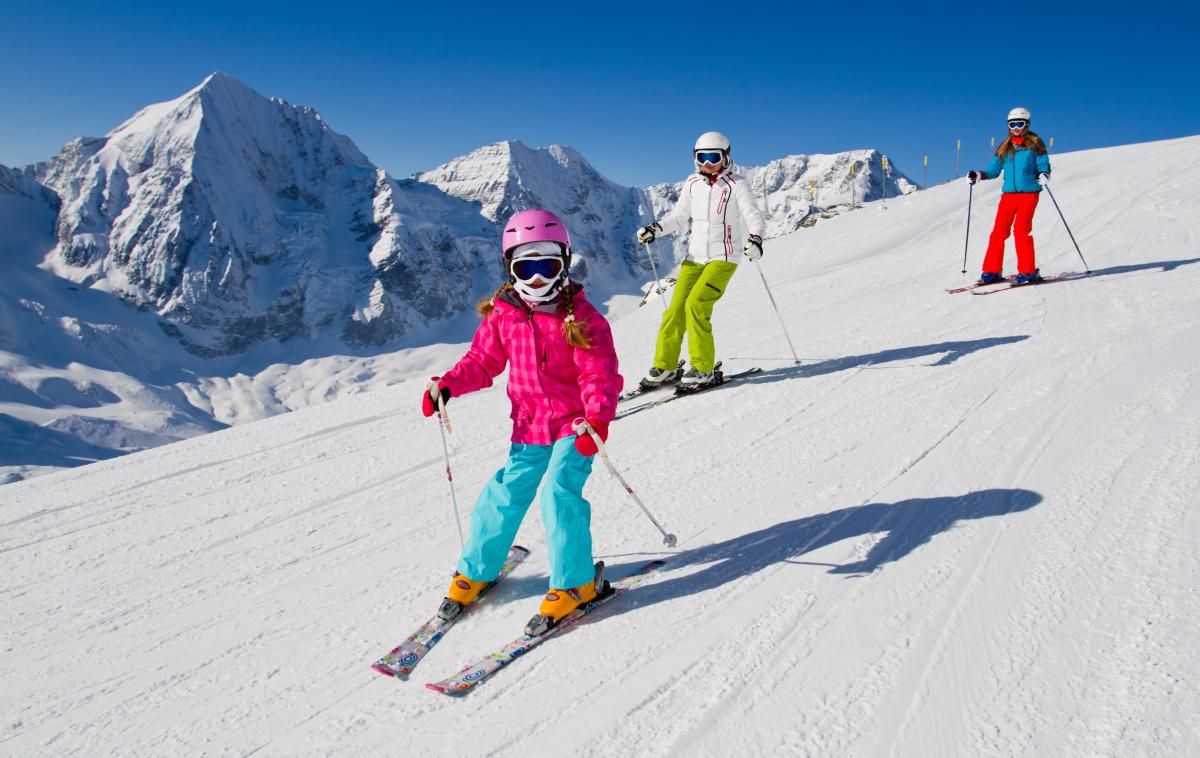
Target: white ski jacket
(723, 214)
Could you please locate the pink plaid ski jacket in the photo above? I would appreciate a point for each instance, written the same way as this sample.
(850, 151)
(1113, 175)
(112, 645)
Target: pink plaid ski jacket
(550, 382)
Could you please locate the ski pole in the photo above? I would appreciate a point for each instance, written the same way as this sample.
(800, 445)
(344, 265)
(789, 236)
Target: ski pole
(444, 426)
(777, 313)
(1064, 220)
(581, 425)
(967, 241)
(654, 268)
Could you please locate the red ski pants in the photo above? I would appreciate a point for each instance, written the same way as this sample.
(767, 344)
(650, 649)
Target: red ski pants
(1018, 207)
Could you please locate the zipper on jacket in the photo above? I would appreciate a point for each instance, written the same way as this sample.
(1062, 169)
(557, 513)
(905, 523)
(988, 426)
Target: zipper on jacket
(542, 367)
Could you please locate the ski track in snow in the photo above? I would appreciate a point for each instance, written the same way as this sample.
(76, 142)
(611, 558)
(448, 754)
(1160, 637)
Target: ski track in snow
(968, 529)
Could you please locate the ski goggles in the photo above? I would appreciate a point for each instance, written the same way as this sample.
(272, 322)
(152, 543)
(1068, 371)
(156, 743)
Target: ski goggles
(526, 269)
(1018, 124)
(713, 157)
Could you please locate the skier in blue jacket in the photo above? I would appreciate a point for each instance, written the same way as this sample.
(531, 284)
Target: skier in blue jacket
(1022, 159)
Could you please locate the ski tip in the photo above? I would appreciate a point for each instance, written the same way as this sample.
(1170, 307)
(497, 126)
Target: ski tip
(381, 670)
(519, 548)
(442, 689)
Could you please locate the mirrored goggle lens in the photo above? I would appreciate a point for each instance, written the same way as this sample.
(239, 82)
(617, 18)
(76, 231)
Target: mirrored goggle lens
(713, 157)
(1017, 124)
(528, 268)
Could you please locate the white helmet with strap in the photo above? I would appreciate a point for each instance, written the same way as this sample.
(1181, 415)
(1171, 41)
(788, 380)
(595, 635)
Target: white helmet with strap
(1020, 114)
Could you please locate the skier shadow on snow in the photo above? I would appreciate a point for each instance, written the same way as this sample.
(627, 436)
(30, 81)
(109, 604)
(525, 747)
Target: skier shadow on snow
(952, 352)
(906, 525)
(1161, 265)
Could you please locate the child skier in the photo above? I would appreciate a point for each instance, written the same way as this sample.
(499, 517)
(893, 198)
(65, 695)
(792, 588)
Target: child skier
(719, 204)
(562, 367)
(1026, 167)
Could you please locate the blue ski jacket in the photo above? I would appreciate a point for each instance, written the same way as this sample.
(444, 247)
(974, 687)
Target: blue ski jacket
(1021, 168)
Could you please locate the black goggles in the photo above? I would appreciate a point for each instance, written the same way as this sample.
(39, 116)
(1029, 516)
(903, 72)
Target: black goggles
(712, 157)
(526, 269)
(1018, 124)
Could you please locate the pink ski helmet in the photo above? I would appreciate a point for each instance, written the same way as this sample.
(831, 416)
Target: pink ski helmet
(535, 226)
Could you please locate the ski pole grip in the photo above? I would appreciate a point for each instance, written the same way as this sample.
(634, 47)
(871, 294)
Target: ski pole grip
(441, 404)
(579, 426)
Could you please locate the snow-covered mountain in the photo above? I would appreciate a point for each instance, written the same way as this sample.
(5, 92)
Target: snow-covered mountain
(963, 526)
(602, 216)
(791, 188)
(225, 256)
(239, 219)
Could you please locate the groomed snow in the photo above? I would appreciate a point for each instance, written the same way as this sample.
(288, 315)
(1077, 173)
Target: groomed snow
(962, 526)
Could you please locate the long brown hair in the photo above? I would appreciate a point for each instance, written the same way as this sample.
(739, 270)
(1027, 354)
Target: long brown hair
(1032, 142)
(573, 329)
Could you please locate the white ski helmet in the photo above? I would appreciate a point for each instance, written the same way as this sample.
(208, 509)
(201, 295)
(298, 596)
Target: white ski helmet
(1018, 114)
(712, 142)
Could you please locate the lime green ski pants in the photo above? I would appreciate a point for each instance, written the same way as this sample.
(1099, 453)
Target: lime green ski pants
(698, 289)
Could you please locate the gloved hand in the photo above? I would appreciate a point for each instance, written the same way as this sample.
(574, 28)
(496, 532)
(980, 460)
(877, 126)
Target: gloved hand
(1043, 179)
(584, 442)
(973, 176)
(753, 247)
(429, 401)
(646, 234)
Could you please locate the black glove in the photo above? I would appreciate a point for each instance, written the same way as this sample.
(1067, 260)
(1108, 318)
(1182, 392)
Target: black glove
(973, 176)
(646, 234)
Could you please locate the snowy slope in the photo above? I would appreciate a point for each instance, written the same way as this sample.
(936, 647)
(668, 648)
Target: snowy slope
(963, 526)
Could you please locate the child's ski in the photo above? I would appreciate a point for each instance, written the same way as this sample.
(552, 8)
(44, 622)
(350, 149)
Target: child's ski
(405, 656)
(472, 674)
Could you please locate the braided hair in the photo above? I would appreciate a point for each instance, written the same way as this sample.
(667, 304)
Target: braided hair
(574, 330)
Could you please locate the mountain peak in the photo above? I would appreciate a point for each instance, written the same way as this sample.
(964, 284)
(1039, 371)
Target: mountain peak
(219, 81)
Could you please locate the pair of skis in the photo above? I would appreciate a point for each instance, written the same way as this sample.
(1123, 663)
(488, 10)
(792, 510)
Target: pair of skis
(719, 378)
(401, 661)
(404, 657)
(1002, 285)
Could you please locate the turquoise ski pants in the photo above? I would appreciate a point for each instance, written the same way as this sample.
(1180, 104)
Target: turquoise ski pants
(566, 515)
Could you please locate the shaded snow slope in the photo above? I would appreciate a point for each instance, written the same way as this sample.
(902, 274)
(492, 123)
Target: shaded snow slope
(962, 526)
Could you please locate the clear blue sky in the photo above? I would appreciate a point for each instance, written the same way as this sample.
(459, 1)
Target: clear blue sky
(628, 85)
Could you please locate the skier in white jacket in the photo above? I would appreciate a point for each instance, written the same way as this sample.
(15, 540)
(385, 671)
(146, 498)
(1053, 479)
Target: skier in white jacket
(726, 223)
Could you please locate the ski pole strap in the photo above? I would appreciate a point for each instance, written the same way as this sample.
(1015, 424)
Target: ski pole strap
(441, 404)
(579, 426)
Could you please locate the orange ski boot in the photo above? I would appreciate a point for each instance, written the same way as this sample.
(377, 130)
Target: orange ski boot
(462, 593)
(558, 604)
